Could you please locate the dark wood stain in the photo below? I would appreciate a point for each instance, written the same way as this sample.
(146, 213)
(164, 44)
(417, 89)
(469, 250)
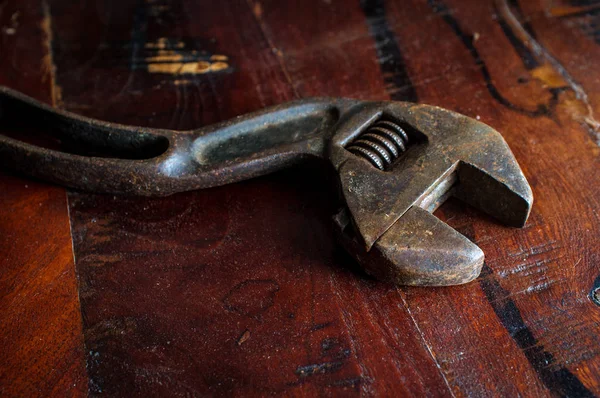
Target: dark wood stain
(557, 378)
(442, 10)
(389, 55)
(529, 60)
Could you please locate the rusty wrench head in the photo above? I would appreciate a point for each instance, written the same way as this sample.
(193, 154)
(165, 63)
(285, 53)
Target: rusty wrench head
(396, 163)
(392, 232)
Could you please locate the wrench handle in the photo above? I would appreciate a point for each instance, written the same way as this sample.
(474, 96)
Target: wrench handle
(114, 158)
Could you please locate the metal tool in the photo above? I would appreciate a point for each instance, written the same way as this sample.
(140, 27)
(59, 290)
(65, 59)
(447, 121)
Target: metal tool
(397, 162)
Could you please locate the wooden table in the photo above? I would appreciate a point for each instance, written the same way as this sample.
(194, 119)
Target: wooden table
(241, 290)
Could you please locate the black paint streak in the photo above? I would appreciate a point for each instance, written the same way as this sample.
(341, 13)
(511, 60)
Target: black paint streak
(558, 379)
(588, 22)
(139, 32)
(333, 348)
(529, 60)
(514, 4)
(389, 55)
(583, 3)
(333, 356)
(354, 383)
(320, 326)
(318, 368)
(442, 10)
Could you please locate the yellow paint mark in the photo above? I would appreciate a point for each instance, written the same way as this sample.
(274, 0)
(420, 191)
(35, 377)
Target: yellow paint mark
(172, 69)
(168, 57)
(219, 58)
(48, 61)
(549, 76)
(168, 60)
(160, 8)
(163, 43)
(567, 10)
(196, 67)
(257, 10)
(217, 66)
(579, 111)
(180, 68)
(571, 105)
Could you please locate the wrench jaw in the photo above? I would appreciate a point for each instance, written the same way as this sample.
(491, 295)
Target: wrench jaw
(418, 250)
(499, 189)
(386, 223)
(509, 205)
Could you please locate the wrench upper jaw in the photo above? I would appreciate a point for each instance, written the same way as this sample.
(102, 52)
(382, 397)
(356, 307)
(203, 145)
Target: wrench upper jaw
(509, 202)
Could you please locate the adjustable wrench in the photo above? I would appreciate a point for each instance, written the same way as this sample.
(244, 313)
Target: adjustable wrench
(396, 162)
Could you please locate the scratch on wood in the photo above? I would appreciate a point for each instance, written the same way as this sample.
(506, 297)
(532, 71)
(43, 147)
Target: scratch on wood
(535, 250)
(48, 61)
(425, 342)
(540, 285)
(529, 268)
(535, 269)
(100, 260)
(244, 337)
(257, 11)
(364, 372)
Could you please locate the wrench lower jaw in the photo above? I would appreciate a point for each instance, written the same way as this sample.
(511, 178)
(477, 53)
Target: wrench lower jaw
(419, 250)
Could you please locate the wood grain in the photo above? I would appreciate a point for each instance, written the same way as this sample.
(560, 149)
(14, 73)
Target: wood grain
(241, 289)
(41, 341)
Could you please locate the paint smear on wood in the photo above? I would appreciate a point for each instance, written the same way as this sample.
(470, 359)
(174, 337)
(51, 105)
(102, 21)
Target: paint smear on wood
(172, 58)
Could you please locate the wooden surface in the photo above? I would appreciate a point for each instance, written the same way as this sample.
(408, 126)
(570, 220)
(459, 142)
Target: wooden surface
(241, 290)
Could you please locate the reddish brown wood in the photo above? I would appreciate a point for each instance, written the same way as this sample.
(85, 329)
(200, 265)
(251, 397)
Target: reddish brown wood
(41, 341)
(241, 289)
